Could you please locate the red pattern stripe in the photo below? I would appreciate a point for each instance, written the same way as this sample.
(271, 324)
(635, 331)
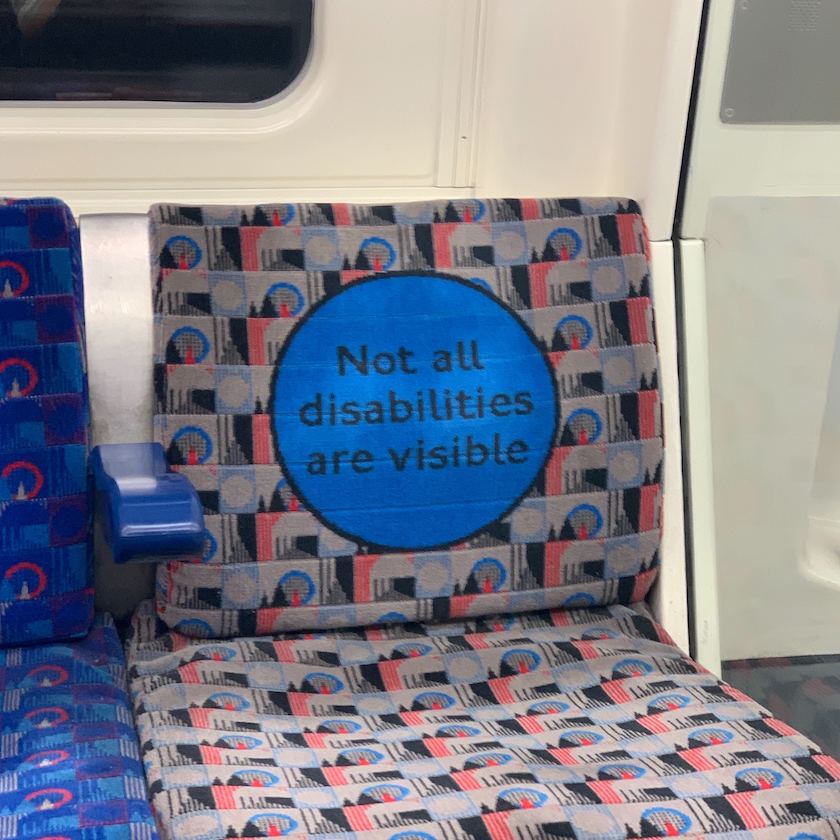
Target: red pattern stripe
(642, 586)
(497, 826)
(648, 414)
(390, 673)
(742, 803)
(628, 233)
(249, 238)
(616, 691)
(530, 209)
(357, 818)
(648, 507)
(341, 214)
(538, 281)
(654, 723)
(438, 747)
(267, 620)
(265, 534)
(466, 780)
(697, 759)
(261, 433)
(200, 718)
(257, 328)
(225, 798)
(553, 571)
(441, 234)
(606, 792)
(554, 471)
(638, 310)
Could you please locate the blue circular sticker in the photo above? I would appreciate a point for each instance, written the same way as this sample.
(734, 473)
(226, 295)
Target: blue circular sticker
(412, 411)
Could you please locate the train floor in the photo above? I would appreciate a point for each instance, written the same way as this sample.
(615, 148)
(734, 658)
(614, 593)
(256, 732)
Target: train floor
(803, 691)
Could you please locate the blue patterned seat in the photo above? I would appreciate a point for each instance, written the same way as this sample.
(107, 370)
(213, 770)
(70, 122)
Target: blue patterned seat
(69, 763)
(46, 586)
(69, 760)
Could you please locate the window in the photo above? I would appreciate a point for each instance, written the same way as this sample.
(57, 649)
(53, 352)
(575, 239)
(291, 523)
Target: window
(230, 51)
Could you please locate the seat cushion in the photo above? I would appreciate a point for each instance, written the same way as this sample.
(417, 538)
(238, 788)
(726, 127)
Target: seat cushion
(69, 758)
(572, 723)
(407, 412)
(46, 586)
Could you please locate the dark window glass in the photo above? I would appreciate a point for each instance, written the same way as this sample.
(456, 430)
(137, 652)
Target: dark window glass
(151, 50)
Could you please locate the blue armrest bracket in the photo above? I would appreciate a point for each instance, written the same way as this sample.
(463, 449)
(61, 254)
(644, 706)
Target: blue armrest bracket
(147, 512)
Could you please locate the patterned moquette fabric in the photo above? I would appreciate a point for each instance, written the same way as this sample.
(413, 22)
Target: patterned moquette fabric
(551, 724)
(69, 758)
(46, 588)
(407, 413)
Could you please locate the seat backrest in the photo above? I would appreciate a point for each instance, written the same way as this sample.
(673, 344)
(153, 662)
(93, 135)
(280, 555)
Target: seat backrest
(46, 589)
(410, 412)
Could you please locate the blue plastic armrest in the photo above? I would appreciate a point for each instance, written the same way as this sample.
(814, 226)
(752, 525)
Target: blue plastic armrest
(148, 513)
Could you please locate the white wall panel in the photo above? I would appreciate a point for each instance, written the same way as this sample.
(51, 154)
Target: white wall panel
(770, 322)
(366, 111)
(698, 445)
(670, 597)
(756, 160)
(588, 99)
(401, 100)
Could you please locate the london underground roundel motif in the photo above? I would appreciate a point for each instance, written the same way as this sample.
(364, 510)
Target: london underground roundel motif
(666, 822)
(257, 778)
(47, 676)
(759, 778)
(272, 825)
(190, 344)
(14, 279)
(339, 727)
(411, 835)
(24, 479)
(47, 758)
(239, 742)
(283, 300)
(28, 580)
(48, 798)
(18, 377)
(184, 251)
(405, 397)
(47, 716)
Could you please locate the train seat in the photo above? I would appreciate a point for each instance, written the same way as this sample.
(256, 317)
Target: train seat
(69, 757)
(427, 441)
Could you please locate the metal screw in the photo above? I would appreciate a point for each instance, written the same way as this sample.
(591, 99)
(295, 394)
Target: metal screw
(729, 113)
